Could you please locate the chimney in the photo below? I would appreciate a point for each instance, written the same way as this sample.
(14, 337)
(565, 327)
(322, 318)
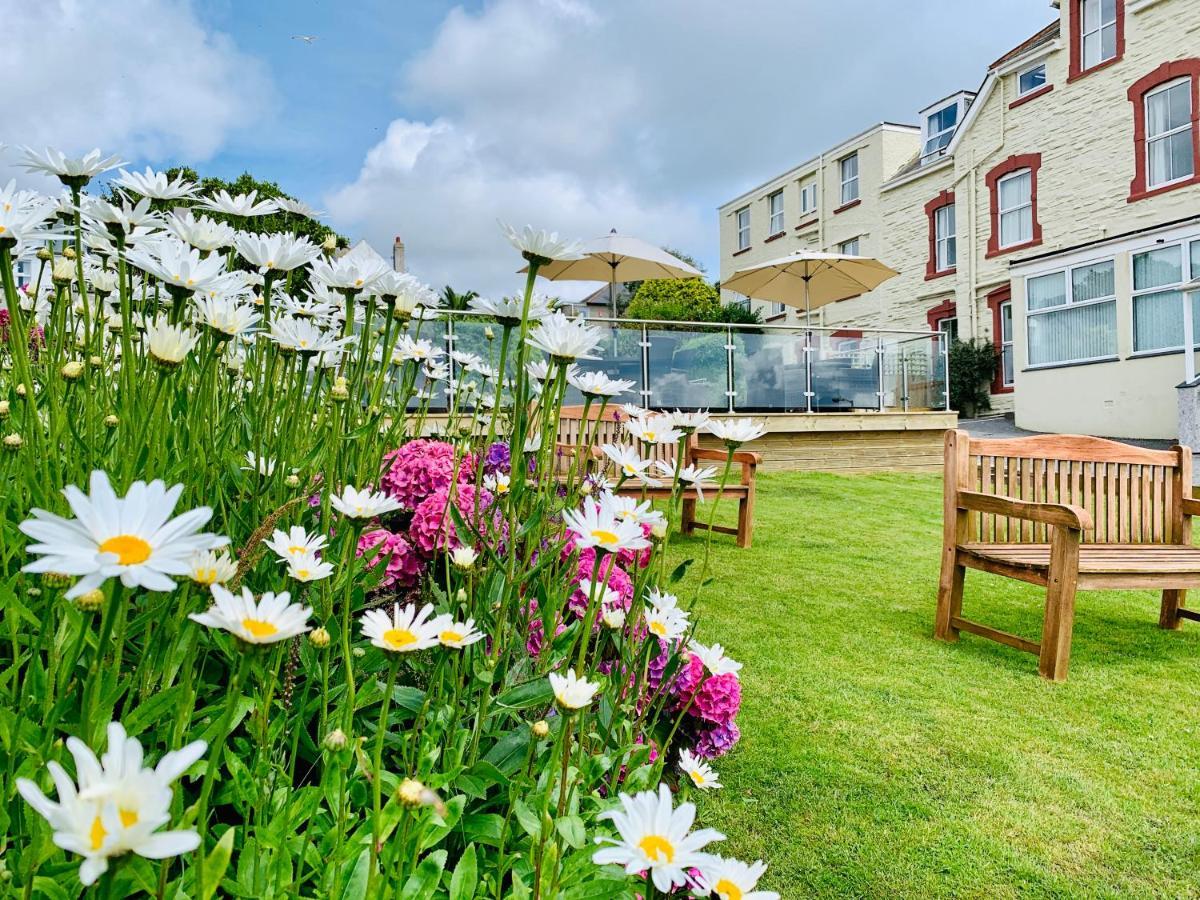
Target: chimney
(398, 254)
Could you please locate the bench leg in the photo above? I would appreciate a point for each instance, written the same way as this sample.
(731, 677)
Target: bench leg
(1057, 626)
(1172, 602)
(950, 594)
(745, 521)
(687, 517)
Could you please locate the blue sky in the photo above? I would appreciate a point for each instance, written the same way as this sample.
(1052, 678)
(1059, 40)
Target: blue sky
(432, 120)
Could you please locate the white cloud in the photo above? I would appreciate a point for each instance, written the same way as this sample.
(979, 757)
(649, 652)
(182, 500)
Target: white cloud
(641, 116)
(140, 78)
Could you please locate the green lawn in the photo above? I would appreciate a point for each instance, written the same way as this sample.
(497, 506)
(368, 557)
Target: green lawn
(877, 762)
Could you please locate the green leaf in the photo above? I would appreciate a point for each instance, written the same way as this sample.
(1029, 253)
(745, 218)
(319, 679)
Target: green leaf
(355, 887)
(532, 693)
(527, 819)
(47, 887)
(216, 863)
(572, 831)
(483, 828)
(465, 877)
(680, 571)
(423, 882)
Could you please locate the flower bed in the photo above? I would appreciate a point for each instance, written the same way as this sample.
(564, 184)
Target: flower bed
(269, 637)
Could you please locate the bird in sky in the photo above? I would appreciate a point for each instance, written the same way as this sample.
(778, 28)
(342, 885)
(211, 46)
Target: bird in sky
(307, 38)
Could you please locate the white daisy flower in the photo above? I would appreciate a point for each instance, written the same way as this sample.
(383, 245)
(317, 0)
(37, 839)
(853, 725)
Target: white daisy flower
(200, 232)
(634, 510)
(654, 430)
(305, 336)
(508, 310)
(349, 273)
(207, 567)
(598, 384)
(661, 599)
(132, 537)
(629, 462)
(698, 770)
(268, 620)
(406, 630)
(295, 543)
(298, 208)
(463, 557)
(732, 879)
(541, 246)
(692, 476)
(654, 836)
(225, 313)
(735, 432)
(688, 421)
(242, 205)
(177, 265)
(167, 343)
(565, 339)
(633, 411)
(71, 171)
(600, 593)
(118, 805)
(276, 252)
(420, 350)
(714, 658)
(595, 525)
(457, 634)
(572, 692)
(156, 185)
(264, 466)
(121, 219)
(613, 617)
(309, 567)
(666, 624)
(364, 504)
(498, 483)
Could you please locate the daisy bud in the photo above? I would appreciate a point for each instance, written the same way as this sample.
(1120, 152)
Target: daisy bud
(96, 362)
(56, 579)
(21, 389)
(44, 254)
(659, 530)
(63, 272)
(586, 489)
(69, 252)
(461, 596)
(13, 442)
(4, 409)
(330, 243)
(33, 592)
(358, 652)
(489, 334)
(336, 740)
(319, 638)
(540, 728)
(414, 795)
(463, 557)
(72, 370)
(111, 421)
(339, 391)
(91, 601)
(292, 481)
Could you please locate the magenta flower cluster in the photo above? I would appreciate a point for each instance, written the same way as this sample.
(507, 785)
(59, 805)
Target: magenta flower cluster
(404, 565)
(711, 704)
(421, 468)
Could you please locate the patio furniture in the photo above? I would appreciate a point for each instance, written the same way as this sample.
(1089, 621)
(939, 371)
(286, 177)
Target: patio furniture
(1068, 513)
(575, 435)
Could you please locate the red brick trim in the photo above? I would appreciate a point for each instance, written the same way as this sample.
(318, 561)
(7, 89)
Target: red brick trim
(846, 206)
(847, 333)
(995, 299)
(1075, 15)
(807, 223)
(776, 236)
(1032, 162)
(1032, 95)
(1168, 71)
(740, 252)
(944, 310)
(944, 199)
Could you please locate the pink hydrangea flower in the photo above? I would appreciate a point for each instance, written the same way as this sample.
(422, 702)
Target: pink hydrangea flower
(420, 468)
(717, 740)
(404, 566)
(433, 527)
(610, 574)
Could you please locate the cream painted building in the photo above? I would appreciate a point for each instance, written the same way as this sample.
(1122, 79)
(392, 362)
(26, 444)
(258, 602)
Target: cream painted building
(1055, 212)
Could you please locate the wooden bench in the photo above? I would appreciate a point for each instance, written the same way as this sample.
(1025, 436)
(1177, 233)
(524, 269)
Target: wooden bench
(1068, 513)
(576, 435)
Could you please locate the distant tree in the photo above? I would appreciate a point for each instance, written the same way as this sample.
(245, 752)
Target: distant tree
(681, 300)
(451, 299)
(627, 291)
(738, 314)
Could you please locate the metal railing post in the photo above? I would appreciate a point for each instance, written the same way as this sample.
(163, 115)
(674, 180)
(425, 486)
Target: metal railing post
(730, 390)
(944, 349)
(904, 379)
(645, 345)
(879, 364)
(808, 369)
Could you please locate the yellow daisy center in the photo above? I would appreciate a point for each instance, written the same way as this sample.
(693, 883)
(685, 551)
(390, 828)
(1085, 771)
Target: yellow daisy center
(259, 628)
(657, 848)
(2, 227)
(129, 817)
(697, 778)
(295, 550)
(399, 638)
(450, 637)
(302, 573)
(728, 890)
(658, 628)
(128, 548)
(649, 435)
(630, 470)
(605, 537)
(205, 576)
(97, 833)
(501, 487)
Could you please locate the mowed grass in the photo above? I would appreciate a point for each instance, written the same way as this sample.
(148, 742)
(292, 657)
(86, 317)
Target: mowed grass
(878, 762)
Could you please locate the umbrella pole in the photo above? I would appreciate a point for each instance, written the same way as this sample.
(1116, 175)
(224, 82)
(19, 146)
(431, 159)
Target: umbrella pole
(808, 372)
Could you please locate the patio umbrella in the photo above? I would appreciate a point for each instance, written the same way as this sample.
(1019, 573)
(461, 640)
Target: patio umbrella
(810, 280)
(617, 258)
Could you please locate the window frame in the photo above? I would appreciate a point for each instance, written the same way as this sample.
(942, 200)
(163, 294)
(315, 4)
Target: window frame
(1032, 67)
(1187, 127)
(847, 182)
(928, 136)
(1188, 273)
(843, 245)
(743, 232)
(1011, 166)
(1099, 30)
(943, 244)
(1077, 68)
(806, 185)
(772, 215)
(1027, 204)
(1163, 76)
(1069, 302)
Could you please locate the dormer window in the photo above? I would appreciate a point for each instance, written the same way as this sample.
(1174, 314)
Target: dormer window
(939, 129)
(1031, 79)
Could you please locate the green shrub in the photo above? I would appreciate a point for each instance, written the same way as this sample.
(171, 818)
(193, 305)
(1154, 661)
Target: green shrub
(972, 368)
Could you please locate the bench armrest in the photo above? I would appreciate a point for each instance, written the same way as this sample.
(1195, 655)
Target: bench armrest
(1062, 514)
(1191, 506)
(745, 457)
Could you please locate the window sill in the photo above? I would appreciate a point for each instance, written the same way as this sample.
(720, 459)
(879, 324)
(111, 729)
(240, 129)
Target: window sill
(1145, 193)
(1004, 389)
(846, 206)
(807, 224)
(740, 252)
(1150, 354)
(1001, 251)
(1070, 365)
(932, 276)
(777, 317)
(1096, 68)
(776, 236)
(1032, 95)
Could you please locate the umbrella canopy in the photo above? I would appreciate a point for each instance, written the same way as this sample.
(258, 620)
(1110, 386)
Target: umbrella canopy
(617, 258)
(810, 280)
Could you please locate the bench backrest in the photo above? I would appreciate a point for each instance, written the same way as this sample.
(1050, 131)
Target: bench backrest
(1132, 493)
(574, 431)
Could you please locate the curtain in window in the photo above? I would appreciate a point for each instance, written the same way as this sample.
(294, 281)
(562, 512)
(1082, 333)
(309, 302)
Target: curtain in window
(1156, 268)
(1158, 320)
(1073, 333)
(1046, 291)
(1092, 282)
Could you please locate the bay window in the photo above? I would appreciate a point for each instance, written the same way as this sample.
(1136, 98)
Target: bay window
(1158, 300)
(1071, 316)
